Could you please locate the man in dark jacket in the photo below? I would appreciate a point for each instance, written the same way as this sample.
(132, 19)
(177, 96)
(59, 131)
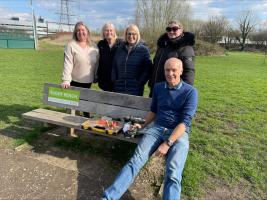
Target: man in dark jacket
(174, 43)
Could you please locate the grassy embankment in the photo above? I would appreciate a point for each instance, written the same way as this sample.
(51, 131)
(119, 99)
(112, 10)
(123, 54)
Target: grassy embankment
(228, 138)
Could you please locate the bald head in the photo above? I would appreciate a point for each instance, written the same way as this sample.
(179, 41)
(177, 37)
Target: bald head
(174, 62)
(173, 69)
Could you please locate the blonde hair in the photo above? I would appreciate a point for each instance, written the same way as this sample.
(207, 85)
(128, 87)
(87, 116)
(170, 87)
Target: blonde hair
(104, 28)
(179, 24)
(74, 35)
(135, 28)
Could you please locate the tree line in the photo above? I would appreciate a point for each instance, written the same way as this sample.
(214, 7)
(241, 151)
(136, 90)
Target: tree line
(152, 16)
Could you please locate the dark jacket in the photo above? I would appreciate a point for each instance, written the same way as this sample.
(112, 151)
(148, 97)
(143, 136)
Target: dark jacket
(130, 69)
(106, 55)
(182, 48)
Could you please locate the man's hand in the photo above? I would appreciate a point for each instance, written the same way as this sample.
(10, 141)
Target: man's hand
(137, 126)
(162, 150)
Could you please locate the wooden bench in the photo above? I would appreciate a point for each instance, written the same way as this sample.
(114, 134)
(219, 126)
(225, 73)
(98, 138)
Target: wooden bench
(109, 104)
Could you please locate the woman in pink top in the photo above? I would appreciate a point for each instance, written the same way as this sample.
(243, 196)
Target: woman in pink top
(80, 59)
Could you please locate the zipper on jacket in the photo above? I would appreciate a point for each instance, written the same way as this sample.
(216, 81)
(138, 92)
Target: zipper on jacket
(125, 69)
(157, 69)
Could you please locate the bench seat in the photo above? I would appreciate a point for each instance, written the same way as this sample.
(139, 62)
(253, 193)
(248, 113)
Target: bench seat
(101, 103)
(70, 121)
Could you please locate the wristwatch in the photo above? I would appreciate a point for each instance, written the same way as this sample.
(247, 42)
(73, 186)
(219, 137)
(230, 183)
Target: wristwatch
(169, 142)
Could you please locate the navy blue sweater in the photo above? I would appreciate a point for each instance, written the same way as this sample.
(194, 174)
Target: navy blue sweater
(130, 69)
(174, 106)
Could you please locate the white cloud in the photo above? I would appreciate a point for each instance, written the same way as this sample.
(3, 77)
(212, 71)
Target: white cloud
(196, 3)
(122, 21)
(7, 14)
(261, 8)
(47, 4)
(92, 11)
(22, 16)
(96, 12)
(263, 24)
(203, 10)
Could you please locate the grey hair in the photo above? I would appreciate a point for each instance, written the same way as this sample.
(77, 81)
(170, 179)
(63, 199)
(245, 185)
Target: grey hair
(104, 28)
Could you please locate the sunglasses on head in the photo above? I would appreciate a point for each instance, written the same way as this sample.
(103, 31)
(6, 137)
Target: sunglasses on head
(175, 28)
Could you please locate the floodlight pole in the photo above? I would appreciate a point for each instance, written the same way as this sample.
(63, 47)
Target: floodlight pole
(265, 51)
(34, 27)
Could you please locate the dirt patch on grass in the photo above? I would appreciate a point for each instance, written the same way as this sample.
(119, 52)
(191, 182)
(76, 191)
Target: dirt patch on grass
(97, 164)
(5, 142)
(240, 191)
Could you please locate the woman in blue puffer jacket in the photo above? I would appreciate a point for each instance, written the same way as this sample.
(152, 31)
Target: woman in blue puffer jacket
(131, 64)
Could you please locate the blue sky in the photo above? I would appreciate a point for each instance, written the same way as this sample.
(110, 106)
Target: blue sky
(96, 12)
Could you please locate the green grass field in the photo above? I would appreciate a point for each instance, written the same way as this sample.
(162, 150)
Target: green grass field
(228, 138)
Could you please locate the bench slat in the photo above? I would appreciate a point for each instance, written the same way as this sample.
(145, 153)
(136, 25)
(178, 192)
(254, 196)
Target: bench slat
(110, 98)
(103, 109)
(63, 119)
(54, 117)
(111, 110)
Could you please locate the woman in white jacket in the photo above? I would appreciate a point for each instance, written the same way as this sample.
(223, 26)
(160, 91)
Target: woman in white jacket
(80, 59)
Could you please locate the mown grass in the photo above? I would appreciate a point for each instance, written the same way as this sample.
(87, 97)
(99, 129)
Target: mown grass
(228, 138)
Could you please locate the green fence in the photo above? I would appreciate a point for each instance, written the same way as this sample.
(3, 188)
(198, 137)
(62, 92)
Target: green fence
(16, 40)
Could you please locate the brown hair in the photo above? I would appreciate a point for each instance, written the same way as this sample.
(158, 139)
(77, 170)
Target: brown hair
(74, 35)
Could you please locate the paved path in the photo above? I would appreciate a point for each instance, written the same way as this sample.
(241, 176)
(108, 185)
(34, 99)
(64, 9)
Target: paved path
(23, 177)
(47, 172)
(27, 175)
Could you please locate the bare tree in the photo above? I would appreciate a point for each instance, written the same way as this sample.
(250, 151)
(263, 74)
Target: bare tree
(196, 27)
(214, 29)
(230, 36)
(246, 23)
(259, 37)
(152, 16)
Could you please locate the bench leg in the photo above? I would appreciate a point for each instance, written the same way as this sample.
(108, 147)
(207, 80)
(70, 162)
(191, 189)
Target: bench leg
(72, 130)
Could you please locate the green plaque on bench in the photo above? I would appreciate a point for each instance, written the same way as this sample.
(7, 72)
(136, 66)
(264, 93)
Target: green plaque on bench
(64, 96)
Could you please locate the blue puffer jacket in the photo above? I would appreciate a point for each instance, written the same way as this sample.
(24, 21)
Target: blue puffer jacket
(130, 69)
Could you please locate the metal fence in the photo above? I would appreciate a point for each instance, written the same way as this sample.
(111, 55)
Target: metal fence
(20, 34)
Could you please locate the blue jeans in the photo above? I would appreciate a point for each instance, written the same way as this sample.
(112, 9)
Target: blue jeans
(175, 160)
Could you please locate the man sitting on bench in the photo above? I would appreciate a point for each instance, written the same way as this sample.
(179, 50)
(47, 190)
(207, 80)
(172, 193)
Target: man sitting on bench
(173, 106)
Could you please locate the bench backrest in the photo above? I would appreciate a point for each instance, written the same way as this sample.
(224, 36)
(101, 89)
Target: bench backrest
(100, 102)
